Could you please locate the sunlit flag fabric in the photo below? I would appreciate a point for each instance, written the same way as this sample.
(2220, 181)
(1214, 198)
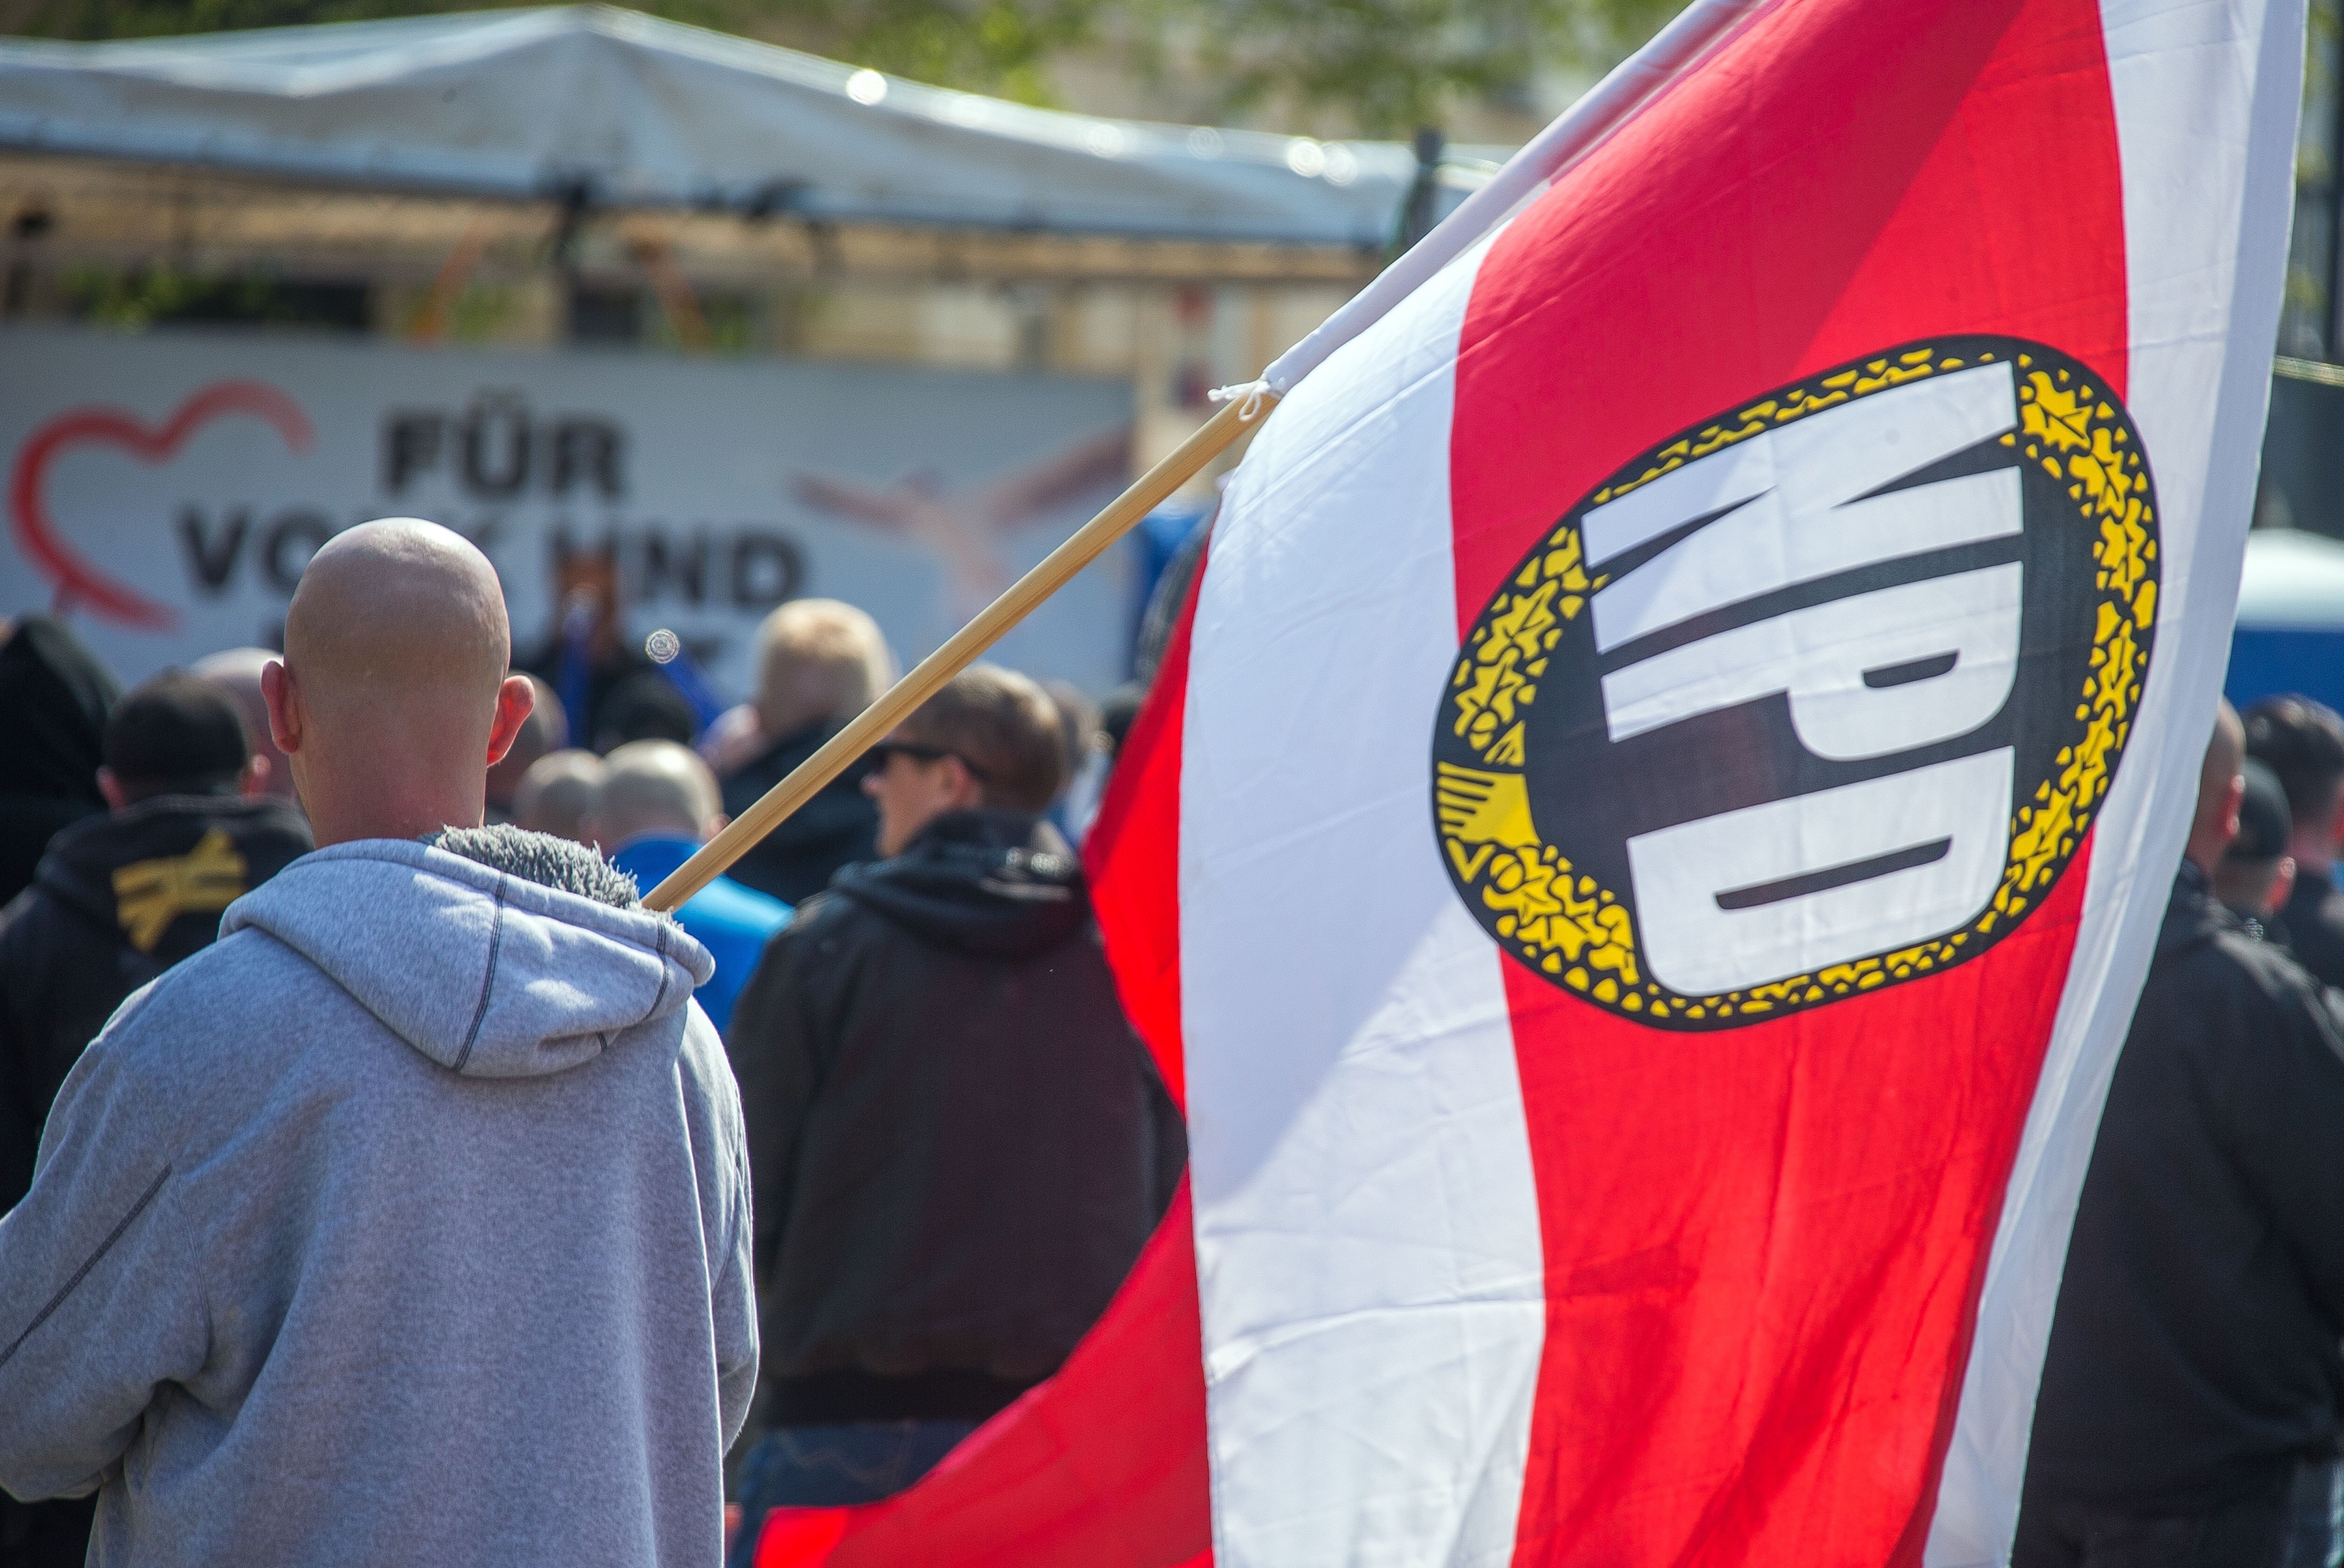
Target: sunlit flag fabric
(1646, 850)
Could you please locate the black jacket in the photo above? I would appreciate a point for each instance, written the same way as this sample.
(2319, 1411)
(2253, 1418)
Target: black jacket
(117, 901)
(956, 1144)
(54, 700)
(836, 828)
(2194, 1352)
(2314, 919)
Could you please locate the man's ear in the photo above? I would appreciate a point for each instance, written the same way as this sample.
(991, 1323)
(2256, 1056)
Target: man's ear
(277, 691)
(967, 791)
(515, 700)
(116, 797)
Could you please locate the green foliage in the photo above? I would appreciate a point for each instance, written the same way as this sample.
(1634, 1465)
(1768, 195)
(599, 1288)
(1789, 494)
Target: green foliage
(1384, 68)
(1378, 67)
(131, 301)
(999, 47)
(134, 300)
(159, 18)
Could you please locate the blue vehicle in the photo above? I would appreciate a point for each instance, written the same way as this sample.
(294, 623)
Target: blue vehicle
(2290, 635)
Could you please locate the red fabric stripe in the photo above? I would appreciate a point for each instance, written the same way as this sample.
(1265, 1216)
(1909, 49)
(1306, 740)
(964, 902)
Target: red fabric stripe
(1763, 1246)
(1104, 1466)
(1134, 856)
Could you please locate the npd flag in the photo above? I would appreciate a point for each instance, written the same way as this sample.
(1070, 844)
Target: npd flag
(1687, 728)
(1647, 844)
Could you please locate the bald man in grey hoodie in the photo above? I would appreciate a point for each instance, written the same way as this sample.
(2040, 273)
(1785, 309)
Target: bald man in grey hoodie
(409, 1221)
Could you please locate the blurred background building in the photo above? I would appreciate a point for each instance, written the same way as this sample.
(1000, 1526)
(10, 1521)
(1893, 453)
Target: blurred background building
(1110, 206)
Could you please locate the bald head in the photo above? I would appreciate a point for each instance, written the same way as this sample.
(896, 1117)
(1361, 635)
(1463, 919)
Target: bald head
(400, 611)
(656, 786)
(393, 699)
(556, 794)
(237, 672)
(2221, 785)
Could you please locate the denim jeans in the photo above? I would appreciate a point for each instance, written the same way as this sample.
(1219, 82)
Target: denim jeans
(833, 1466)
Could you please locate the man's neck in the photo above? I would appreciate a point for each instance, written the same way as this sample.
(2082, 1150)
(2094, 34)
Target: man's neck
(342, 820)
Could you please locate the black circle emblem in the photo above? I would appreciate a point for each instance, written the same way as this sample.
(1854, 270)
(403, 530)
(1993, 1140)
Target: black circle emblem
(1816, 698)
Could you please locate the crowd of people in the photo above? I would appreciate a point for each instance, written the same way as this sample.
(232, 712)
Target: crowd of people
(384, 1182)
(407, 1206)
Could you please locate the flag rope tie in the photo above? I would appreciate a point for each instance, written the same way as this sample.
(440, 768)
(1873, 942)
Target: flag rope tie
(1251, 392)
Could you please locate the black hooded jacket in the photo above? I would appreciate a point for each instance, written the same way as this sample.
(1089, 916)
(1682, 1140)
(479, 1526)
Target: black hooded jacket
(957, 1143)
(2314, 919)
(117, 900)
(2194, 1352)
(836, 828)
(54, 700)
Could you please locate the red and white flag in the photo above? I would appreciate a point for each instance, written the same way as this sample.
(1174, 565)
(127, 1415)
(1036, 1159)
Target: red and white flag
(1646, 850)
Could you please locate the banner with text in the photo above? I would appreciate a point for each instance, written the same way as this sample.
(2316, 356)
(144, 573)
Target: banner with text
(163, 491)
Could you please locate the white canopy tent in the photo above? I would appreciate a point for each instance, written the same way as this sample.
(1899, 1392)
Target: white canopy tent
(613, 108)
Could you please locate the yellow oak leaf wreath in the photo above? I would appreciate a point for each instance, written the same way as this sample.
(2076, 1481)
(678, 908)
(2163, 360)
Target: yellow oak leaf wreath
(1567, 924)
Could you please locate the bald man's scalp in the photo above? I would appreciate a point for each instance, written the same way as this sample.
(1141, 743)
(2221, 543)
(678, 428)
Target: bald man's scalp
(656, 786)
(2226, 753)
(394, 609)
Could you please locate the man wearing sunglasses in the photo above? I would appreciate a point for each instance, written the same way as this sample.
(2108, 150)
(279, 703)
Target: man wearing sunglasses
(956, 1144)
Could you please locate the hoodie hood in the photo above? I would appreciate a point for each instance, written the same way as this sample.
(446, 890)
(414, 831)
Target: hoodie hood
(483, 967)
(157, 874)
(54, 701)
(990, 883)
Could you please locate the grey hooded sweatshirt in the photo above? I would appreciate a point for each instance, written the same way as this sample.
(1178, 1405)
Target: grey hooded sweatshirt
(408, 1223)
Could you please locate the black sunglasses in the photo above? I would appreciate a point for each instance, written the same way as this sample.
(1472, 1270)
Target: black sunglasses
(917, 753)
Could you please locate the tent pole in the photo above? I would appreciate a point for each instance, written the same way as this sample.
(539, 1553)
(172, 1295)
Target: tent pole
(962, 649)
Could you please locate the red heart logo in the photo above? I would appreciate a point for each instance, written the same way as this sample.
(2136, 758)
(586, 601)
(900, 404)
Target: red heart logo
(79, 582)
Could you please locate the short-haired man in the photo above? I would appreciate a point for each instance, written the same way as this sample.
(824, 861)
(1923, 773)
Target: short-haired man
(957, 1143)
(544, 731)
(2189, 1405)
(117, 900)
(2255, 873)
(406, 1223)
(556, 795)
(657, 804)
(819, 663)
(236, 671)
(2302, 742)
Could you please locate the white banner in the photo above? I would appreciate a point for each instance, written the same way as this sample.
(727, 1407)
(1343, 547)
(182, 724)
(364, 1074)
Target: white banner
(165, 490)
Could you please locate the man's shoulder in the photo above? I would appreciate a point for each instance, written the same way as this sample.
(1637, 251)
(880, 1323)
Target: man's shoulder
(2232, 978)
(31, 920)
(729, 906)
(2323, 910)
(246, 992)
(823, 934)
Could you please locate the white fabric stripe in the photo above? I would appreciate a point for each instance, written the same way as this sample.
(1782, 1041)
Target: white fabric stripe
(1361, 1167)
(2206, 99)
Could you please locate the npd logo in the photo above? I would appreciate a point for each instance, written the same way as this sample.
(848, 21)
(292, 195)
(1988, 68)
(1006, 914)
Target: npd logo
(1817, 698)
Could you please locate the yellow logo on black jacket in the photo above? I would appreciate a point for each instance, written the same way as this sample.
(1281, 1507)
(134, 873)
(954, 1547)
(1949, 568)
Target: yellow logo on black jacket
(148, 895)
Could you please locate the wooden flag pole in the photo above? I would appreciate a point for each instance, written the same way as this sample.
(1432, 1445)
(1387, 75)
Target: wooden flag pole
(873, 725)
